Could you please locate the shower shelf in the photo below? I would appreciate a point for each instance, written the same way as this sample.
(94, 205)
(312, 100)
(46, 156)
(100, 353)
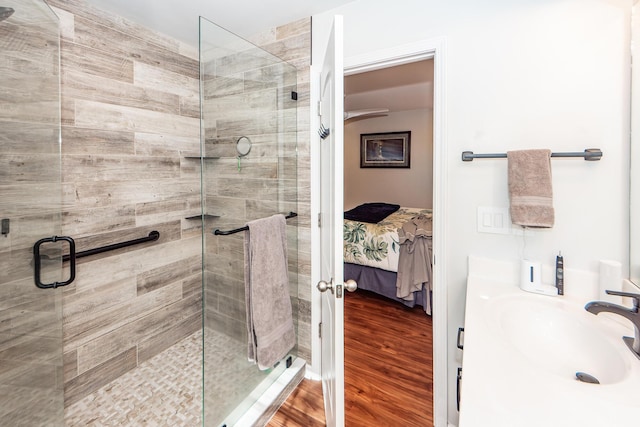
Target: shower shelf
(201, 157)
(207, 216)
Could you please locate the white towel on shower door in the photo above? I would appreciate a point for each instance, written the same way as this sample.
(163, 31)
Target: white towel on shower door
(269, 314)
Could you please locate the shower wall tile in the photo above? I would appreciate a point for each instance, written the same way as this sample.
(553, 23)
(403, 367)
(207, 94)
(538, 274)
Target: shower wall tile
(79, 8)
(225, 207)
(79, 222)
(193, 285)
(221, 86)
(35, 138)
(249, 188)
(119, 168)
(99, 115)
(230, 286)
(130, 112)
(80, 332)
(266, 123)
(112, 193)
(98, 376)
(169, 233)
(293, 29)
(108, 345)
(231, 247)
(28, 111)
(234, 63)
(120, 43)
(129, 263)
(28, 321)
(190, 107)
(101, 299)
(154, 144)
(70, 361)
(159, 277)
(234, 107)
(150, 213)
(92, 141)
(166, 338)
(96, 63)
(103, 89)
(291, 48)
(154, 78)
(25, 168)
(67, 112)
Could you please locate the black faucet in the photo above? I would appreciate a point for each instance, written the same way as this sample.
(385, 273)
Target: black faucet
(632, 314)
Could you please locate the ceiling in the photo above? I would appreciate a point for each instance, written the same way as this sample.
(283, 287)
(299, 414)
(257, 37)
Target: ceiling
(242, 17)
(399, 88)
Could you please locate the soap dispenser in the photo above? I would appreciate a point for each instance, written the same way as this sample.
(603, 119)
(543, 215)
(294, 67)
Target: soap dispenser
(531, 279)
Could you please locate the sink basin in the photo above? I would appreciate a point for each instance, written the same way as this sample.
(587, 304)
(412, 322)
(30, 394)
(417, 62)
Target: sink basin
(557, 337)
(522, 352)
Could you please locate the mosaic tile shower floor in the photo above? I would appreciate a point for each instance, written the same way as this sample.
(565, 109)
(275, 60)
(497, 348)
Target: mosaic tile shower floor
(166, 389)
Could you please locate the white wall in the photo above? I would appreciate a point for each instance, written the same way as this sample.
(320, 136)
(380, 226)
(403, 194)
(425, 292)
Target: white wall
(411, 187)
(519, 74)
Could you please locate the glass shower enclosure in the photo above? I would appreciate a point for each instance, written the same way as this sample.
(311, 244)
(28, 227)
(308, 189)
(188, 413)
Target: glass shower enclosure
(249, 160)
(31, 384)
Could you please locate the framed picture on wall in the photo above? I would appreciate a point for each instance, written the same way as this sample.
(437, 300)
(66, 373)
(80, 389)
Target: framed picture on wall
(385, 150)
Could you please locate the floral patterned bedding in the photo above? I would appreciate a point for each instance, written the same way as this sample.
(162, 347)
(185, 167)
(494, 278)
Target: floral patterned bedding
(376, 245)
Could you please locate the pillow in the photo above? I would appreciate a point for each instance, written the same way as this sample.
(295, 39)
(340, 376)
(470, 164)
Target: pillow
(371, 212)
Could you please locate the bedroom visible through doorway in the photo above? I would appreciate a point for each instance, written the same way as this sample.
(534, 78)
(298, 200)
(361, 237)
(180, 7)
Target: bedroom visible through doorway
(384, 104)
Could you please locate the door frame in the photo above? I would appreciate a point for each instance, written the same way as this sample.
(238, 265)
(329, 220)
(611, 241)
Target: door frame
(398, 55)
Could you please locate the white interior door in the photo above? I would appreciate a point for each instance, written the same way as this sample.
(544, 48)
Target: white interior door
(331, 194)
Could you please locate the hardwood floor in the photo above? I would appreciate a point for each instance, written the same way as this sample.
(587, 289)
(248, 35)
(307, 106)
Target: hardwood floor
(388, 369)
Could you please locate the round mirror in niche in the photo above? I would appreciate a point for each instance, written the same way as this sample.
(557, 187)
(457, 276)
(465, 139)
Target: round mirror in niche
(243, 146)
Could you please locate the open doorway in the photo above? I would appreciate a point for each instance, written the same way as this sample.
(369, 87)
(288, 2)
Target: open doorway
(392, 99)
(396, 100)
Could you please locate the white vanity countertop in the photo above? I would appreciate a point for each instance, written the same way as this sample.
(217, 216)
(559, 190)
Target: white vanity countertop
(504, 385)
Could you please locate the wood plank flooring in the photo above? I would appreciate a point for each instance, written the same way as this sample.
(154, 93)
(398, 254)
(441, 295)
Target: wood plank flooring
(388, 369)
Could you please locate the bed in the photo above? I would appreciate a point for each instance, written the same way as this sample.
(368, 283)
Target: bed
(372, 253)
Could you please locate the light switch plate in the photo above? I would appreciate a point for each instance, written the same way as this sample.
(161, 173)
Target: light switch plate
(493, 219)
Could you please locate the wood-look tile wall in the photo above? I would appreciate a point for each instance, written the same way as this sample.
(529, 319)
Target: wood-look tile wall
(292, 43)
(130, 110)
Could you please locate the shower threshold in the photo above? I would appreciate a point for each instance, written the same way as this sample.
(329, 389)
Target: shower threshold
(264, 401)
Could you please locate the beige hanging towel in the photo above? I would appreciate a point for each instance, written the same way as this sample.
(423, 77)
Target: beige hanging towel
(269, 314)
(530, 189)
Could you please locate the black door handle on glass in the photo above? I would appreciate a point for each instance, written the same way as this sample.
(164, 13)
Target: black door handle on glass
(36, 261)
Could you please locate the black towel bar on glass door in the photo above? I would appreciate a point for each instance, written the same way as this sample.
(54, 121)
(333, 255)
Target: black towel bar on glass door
(590, 154)
(153, 235)
(219, 232)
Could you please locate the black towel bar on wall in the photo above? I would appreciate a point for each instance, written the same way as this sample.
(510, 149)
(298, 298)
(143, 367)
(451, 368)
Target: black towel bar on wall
(590, 154)
(219, 232)
(153, 235)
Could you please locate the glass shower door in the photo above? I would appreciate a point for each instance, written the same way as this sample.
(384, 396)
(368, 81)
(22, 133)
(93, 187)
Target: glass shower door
(249, 161)
(31, 371)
